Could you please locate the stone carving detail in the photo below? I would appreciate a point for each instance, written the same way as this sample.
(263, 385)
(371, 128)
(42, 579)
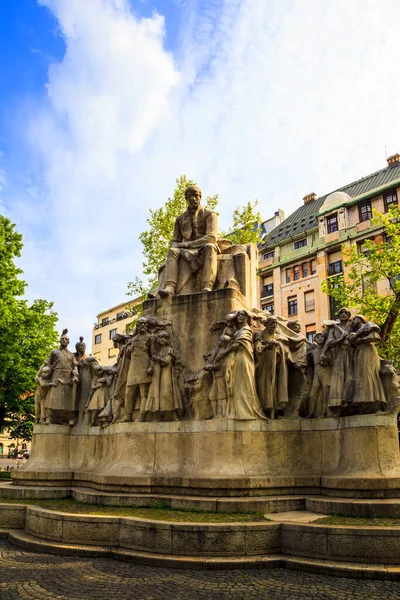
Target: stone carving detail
(60, 401)
(85, 371)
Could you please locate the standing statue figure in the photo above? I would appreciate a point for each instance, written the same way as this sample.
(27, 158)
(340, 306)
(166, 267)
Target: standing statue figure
(219, 363)
(85, 377)
(194, 242)
(337, 342)
(319, 394)
(60, 401)
(112, 410)
(368, 392)
(165, 394)
(243, 403)
(99, 394)
(139, 371)
(271, 368)
(44, 384)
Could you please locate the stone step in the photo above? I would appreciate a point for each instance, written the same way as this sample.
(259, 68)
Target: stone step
(325, 567)
(354, 507)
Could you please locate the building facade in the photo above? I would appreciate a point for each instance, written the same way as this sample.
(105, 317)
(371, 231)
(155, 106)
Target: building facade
(109, 322)
(306, 248)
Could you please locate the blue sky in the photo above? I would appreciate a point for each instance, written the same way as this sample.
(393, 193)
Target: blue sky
(103, 103)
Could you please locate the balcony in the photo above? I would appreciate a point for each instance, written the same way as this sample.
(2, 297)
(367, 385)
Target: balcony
(119, 317)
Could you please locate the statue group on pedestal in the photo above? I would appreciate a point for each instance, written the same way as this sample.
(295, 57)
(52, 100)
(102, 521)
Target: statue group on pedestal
(260, 367)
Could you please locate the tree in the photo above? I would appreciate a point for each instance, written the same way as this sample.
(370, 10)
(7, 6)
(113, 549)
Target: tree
(379, 259)
(156, 240)
(246, 225)
(27, 334)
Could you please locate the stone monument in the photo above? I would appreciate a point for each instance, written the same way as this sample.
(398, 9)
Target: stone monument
(213, 397)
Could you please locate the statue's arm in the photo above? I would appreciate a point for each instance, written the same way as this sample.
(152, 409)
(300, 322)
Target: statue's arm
(211, 233)
(177, 237)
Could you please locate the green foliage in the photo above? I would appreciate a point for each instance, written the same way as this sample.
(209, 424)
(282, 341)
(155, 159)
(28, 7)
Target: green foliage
(246, 221)
(378, 260)
(157, 238)
(27, 334)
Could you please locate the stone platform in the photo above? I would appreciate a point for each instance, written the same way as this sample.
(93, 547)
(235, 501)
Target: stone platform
(355, 456)
(349, 551)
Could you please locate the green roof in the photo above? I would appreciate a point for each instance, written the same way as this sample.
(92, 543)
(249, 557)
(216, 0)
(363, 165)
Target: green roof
(305, 217)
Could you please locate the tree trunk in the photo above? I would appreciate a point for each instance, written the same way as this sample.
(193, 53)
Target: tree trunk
(2, 416)
(388, 325)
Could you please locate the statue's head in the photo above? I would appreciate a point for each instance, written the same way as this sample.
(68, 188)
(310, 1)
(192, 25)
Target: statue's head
(142, 325)
(271, 323)
(119, 340)
(193, 196)
(163, 338)
(357, 322)
(243, 317)
(80, 346)
(319, 339)
(344, 314)
(64, 339)
(97, 369)
(45, 372)
(294, 326)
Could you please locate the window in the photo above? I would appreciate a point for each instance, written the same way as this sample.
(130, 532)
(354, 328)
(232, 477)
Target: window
(368, 285)
(300, 244)
(304, 267)
(292, 306)
(332, 223)
(309, 301)
(269, 308)
(389, 199)
(104, 321)
(313, 267)
(269, 255)
(311, 334)
(97, 338)
(112, 352)
(112, 333)
(288, 276)
(335, 268)
(122, 315)
(365, 210)
(296, 273)
(268, 289)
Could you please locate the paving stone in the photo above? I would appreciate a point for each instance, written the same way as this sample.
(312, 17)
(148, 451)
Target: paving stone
(26, 575)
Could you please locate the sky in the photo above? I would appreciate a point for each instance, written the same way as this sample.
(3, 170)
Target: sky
(104, 103)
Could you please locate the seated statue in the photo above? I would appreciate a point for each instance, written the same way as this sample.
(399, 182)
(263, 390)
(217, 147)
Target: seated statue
(200, 262)
(194, 242)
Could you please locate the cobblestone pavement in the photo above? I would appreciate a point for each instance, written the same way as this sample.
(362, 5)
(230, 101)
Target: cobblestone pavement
(30, 576)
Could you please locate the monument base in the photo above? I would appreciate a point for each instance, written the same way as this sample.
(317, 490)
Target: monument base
(354, 456)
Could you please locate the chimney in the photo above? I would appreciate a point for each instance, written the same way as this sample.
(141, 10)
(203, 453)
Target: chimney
(393, 160)
(310, 198)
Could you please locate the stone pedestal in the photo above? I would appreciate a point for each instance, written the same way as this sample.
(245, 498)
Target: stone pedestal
(192, 316)
(352, 456)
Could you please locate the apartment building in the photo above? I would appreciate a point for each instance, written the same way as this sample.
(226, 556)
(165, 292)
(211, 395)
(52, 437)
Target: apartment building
(306, 247)
(109, 322)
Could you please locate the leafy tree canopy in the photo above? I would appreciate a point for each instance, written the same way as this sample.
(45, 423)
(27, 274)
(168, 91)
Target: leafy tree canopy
(246, 224)
(366, 268)
(27, 334)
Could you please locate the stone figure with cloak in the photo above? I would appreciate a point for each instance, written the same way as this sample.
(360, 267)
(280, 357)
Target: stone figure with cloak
(271, 368)
(61, 399)
(243, 402)
(165, 396)
(337, 342)
(85, 363)
(367, 384)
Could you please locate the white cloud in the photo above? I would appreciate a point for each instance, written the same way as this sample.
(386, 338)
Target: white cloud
(269, 99)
